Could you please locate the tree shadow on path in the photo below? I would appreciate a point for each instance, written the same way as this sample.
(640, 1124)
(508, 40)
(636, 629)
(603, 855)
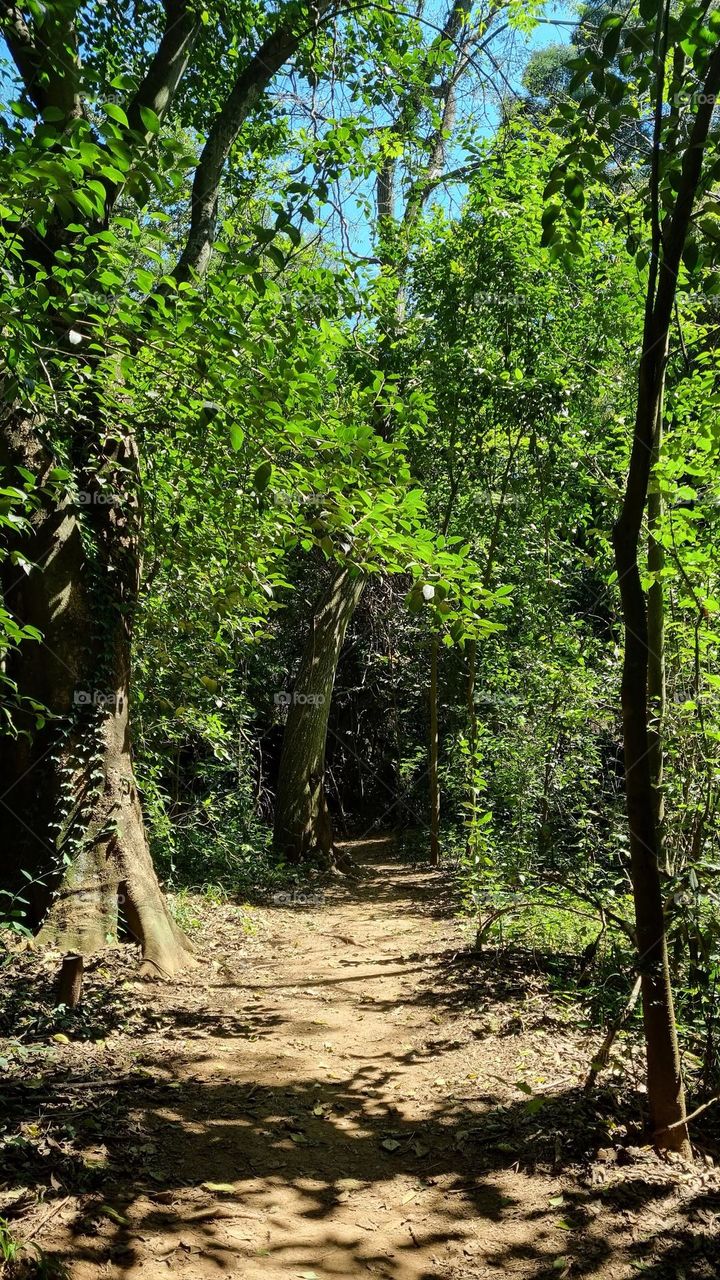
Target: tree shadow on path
(247, 1145)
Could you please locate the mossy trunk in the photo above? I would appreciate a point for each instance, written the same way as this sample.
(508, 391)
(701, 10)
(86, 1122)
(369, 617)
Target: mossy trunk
(70, 815)
(303, 829)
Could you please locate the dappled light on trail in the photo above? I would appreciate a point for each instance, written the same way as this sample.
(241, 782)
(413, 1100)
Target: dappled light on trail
(350, 1091)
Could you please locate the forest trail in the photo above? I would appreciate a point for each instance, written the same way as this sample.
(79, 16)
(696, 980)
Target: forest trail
(350, 1098)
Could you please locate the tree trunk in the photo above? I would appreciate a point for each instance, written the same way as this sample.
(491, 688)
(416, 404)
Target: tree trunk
(70, 981)
(70, 815)
(434, 751)
(657, 694)
(472, 721)
(666, 1096)
(303, 829)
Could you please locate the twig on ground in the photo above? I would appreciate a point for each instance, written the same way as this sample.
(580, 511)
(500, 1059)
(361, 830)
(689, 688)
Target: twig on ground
(39, 1225)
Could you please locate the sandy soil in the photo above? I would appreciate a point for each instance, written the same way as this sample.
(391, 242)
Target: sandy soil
(345, 1092)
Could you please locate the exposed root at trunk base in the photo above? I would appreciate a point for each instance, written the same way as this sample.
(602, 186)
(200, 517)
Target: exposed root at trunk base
(166, 951)
(112, 889)
(343, 864)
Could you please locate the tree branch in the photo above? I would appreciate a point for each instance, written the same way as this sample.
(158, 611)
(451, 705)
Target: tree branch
(47, 61)
(246, 92)
(23, 51)
(168, 64)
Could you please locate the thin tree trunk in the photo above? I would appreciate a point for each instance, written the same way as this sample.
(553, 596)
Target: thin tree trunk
(665, 1088)
(657, 694)
(303, 828)
(666, 1096)
(472, 644)
(433, 770)
(472, 743)
(602, 1057)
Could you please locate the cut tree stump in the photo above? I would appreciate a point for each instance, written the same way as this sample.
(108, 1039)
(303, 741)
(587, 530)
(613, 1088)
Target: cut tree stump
(70, 980)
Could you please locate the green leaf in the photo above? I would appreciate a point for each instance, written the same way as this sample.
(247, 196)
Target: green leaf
(115, 112)
(150, 119)
(262, 475)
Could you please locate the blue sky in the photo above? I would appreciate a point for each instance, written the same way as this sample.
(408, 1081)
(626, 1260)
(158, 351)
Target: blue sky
(555, 27)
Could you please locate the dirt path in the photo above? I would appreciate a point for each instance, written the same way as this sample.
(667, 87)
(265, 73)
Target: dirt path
(351, 1098)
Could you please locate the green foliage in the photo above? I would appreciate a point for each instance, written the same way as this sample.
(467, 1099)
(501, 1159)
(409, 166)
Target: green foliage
(444, 401)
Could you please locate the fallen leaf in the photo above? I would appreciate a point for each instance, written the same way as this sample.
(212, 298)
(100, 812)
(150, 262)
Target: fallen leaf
(218, 1186)
(390, 1144)
(109, 1212)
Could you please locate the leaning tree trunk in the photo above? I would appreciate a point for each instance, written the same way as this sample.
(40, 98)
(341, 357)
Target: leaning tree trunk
(70, 813)
(303, 829)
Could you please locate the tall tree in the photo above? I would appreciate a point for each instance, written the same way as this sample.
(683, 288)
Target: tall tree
(671, 67)
(76, 168)
(415, 143)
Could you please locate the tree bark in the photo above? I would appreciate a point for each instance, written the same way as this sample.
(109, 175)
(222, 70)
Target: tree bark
(666, 1097)
(70, 813)
(70, 981)
(303, 828)
(657, 694)
(434, 785)
(665, 1088)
